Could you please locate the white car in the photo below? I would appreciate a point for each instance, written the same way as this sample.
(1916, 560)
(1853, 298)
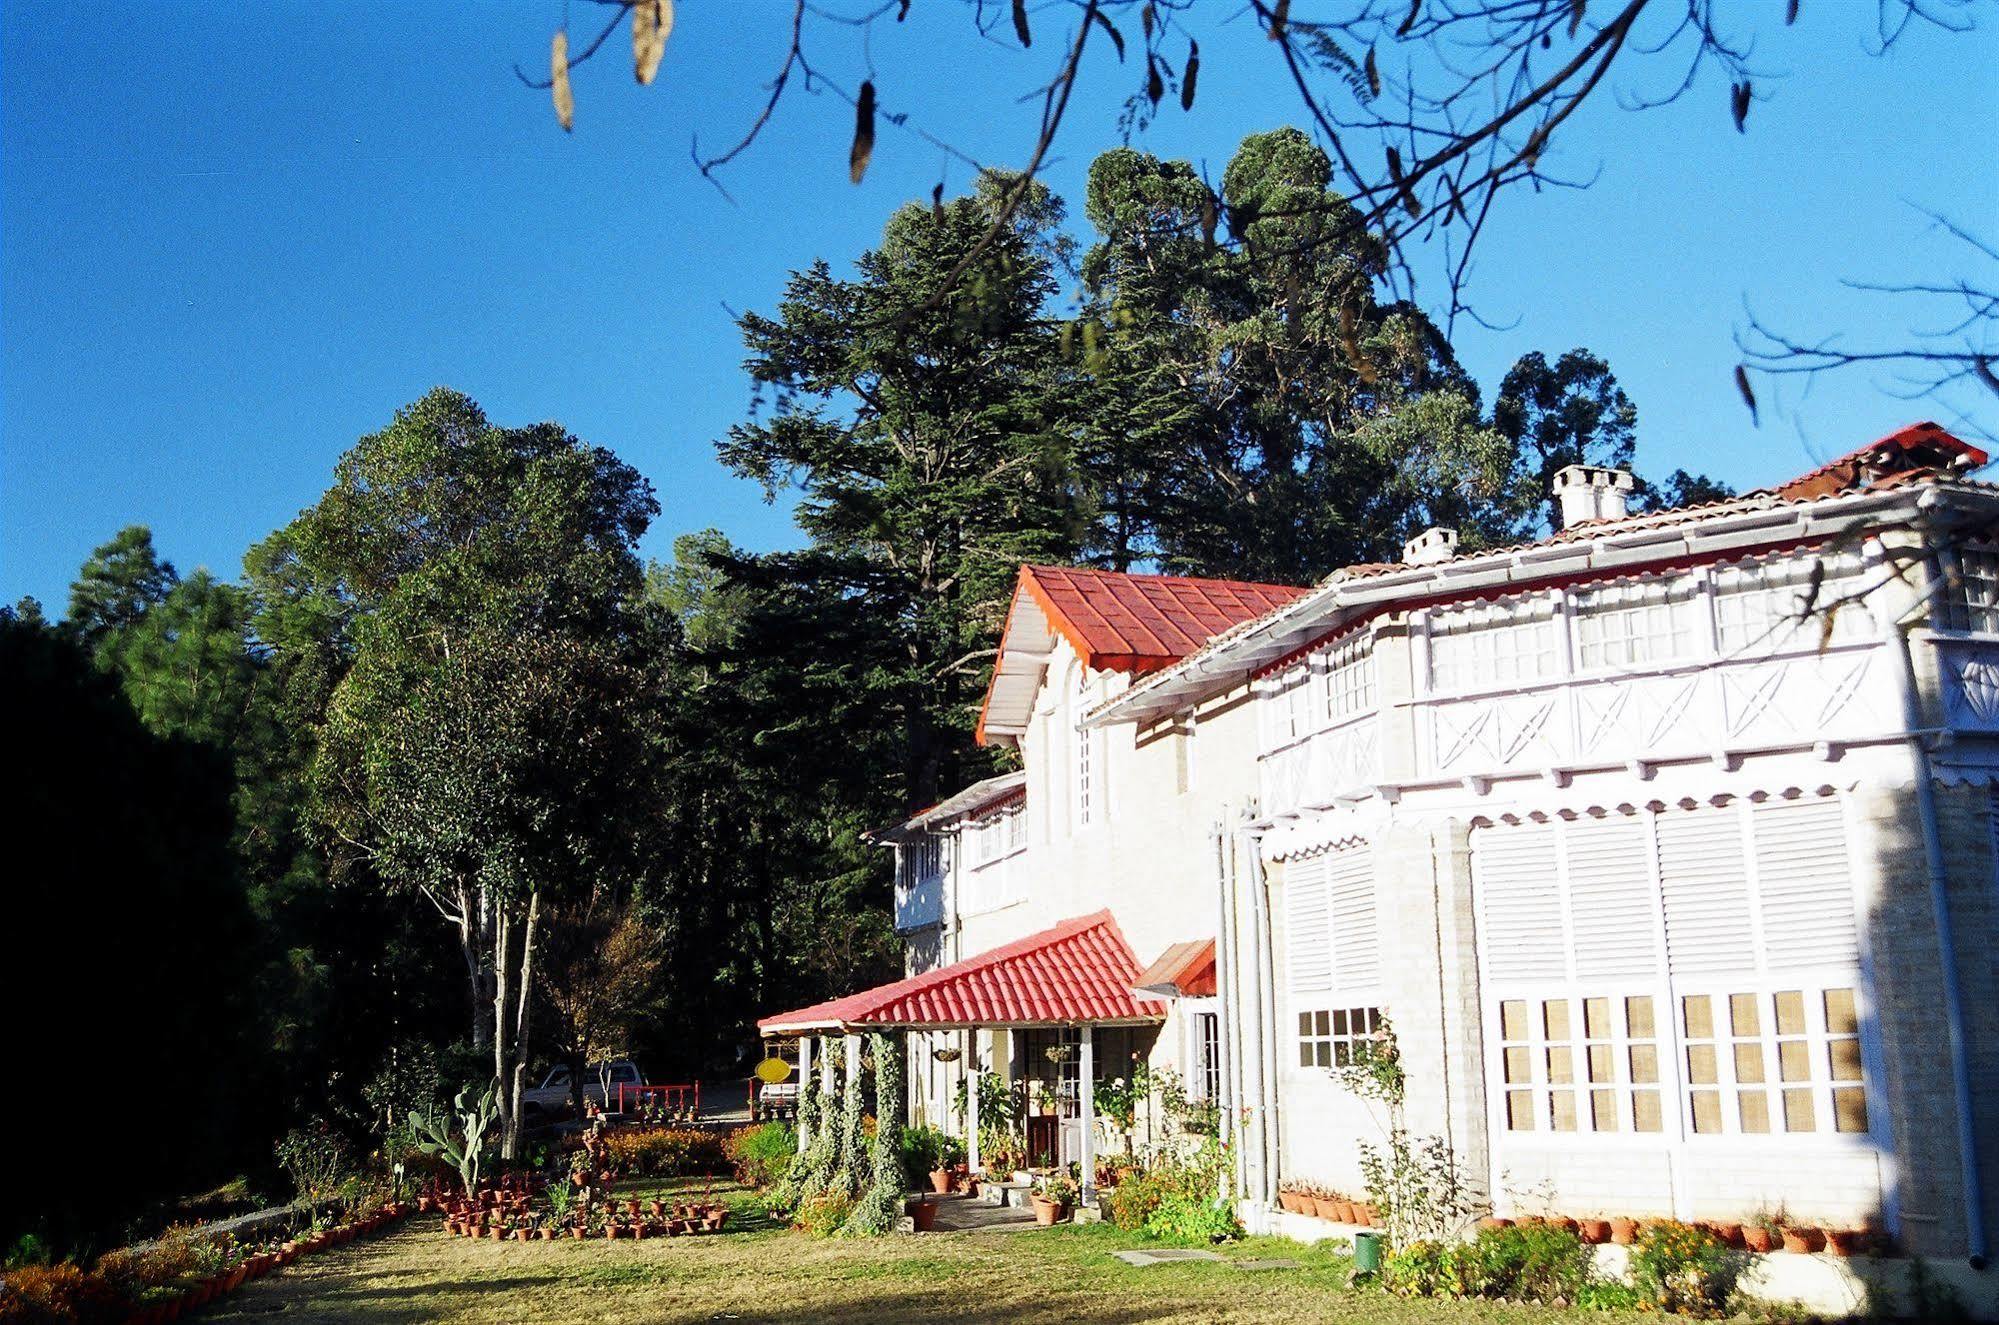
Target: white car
(553, 1098)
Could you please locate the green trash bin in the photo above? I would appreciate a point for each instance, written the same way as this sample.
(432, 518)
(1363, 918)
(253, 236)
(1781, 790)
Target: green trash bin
(1366, 1252)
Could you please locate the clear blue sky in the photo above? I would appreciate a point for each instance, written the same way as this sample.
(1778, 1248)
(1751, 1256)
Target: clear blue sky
(237, 237)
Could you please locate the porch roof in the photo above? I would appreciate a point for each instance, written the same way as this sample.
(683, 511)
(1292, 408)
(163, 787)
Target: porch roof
(1080, 972)
(1185, 970)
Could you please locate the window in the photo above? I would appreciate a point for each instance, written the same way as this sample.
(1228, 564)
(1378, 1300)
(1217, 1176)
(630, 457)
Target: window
(1287, 706)
(1685, 969)
(1785, 1060)
(1621, 625)
(1492, 644)
(1349, 673)
(1579, 1064)
(1327, 1036)
(1205, 1056)
(1761, 609)
(997, 835)
(1975, 597)
(921, 860)
(1086, 775)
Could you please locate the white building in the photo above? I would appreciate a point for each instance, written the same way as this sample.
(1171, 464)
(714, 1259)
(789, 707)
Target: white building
(1665, 843)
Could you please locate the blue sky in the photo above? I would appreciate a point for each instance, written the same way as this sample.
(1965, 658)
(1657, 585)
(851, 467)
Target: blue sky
(235, 238)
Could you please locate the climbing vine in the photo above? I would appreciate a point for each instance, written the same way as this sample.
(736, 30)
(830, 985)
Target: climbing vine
(881, 1204)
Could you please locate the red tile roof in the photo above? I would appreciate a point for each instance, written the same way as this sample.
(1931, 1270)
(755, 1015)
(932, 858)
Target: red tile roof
(1919, 450)
(1081, 971)
(1137, 623)
(1186, 970)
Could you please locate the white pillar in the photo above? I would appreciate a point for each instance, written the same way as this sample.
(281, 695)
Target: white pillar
(854, 1063)
(804, 1083)
(825, 1072)
(972, 1101)
(1086, 1087)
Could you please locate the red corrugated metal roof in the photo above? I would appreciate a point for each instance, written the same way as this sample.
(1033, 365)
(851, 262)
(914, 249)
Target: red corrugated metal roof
(1080, 971)
(1136, 623)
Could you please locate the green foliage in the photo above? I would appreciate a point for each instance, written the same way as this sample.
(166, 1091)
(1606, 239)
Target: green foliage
(762, 1154)
(121, 581)
(881, 1203)
(925, 1149)
(1188, 1218)
(1521, 1263)
(823, 1216)
(1415, 1187)
(1178, 1196)
(665, 1152)
(316, 1159)
(460, 1138)
(1683, 1269)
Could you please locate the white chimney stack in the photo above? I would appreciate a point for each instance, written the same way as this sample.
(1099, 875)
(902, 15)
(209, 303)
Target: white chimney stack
(1591, 492)
(1433, 545)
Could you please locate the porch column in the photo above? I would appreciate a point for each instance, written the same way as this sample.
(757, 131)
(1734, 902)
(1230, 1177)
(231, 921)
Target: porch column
(972, 1101)
(804, 1084)
(1086, 1089)
(853, 1062)
(825, 1069)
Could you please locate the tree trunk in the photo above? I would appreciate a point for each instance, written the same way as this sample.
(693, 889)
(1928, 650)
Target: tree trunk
(510, 1147)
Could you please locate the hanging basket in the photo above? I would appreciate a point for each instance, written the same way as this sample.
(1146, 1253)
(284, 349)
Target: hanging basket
(1059, 1053)
(949, 1053)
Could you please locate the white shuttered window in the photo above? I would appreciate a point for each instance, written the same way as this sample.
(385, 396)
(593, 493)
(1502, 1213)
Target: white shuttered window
(1700, 962)
(1333, 953)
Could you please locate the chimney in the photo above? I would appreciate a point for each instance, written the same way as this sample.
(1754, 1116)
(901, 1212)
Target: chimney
(1591, 492)
(1433, 545)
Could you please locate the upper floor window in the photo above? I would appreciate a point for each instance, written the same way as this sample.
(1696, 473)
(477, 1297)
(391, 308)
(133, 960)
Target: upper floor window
(1287, 706)
(1492, 644)
(1088, 791)
(1791, 604)
(1620, 625)
(921, 860)
(1349, 677)
(1974, 598)
(999, 834)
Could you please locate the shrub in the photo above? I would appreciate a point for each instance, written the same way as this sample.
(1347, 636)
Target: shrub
(1194, 1219)
(822, 1216)
(761, 1154)
(316, 1159)
(58, 1295)
(1538, 1263)
(1683, 1269)
(1134, 1200)
(927, 1148)
(664, 1152)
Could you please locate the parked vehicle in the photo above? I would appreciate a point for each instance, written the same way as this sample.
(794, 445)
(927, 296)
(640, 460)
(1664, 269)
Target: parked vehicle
(555, 1097)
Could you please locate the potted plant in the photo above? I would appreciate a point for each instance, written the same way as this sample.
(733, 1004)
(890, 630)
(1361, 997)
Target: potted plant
(923, 1212)
(1364, 1213)
(1801, 1239)
(1593, 1231)
(1842, 1242)
(1623, 1230)
(1052, 1197)
(1762, 1232)
(1493, 1223)
(1291, 1196)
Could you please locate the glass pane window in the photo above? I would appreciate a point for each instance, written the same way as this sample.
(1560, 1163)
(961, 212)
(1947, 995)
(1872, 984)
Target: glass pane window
(1780, 1061)
(1975, 595)
(1492, 644)
(1792, 604)
(1587, 1064)
(1349, 677)
(1327, 1037)
(1622, 625)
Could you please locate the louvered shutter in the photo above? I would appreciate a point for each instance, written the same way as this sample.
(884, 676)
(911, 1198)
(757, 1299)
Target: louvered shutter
(1705, 883)
(1350, 902)
(1803, 883)
(1307, 943)
(1610, 898)
(1514, 871)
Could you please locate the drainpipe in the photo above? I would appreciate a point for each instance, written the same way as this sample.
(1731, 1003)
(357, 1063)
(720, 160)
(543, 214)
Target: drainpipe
(1926, 811)
(1266, 1021)
(1225, 986)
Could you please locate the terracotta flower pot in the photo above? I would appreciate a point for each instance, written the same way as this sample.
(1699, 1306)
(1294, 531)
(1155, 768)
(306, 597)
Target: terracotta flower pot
(940, 1181)
(1593, 1231)
(1491, 1222)
(496, 1233)
(1046, 1212)
(1758, 1239)
(579, 1232)
(1728, 1231)
(545, 1234)
(1288, 1201)
(1564, 1223)
(1322, 1207)
(1842, 1241)
(1363, 1214)
(1623, 1231)
(1802, 1241)
(523, 1234)
(922, 1213)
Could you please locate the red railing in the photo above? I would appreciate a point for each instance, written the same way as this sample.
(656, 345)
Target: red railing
(681, 1100)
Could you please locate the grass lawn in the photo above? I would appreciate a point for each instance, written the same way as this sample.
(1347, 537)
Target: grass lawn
(757, 1272)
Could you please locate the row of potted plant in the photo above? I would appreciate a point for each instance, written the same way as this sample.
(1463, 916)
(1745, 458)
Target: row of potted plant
(220, 1264)
(1761, 1233)
(1306, 1198)
(1053, 1196)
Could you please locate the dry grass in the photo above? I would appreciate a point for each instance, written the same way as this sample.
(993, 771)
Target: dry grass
(1023, 1277)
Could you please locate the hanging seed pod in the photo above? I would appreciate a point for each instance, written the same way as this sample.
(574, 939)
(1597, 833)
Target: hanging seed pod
(558, 82)
(864, 133)
(652, 24)
(1190, 75)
